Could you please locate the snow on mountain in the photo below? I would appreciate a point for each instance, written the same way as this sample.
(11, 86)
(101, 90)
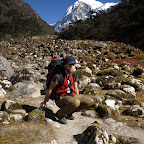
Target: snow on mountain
(93, 3)
(106, 6)
(80, 10)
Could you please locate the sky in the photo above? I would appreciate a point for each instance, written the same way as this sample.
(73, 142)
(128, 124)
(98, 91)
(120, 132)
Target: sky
(52, 10)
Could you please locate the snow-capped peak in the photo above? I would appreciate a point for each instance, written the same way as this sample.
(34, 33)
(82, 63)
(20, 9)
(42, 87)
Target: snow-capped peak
(93, 3)
(80, 10)
(69, 10)
(107, 5)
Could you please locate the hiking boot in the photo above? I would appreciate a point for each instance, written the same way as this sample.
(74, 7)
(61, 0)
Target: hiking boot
(63, 120)
(70, 117)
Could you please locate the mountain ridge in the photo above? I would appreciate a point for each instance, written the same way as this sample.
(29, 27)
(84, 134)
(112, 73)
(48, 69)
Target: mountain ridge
(80, 10)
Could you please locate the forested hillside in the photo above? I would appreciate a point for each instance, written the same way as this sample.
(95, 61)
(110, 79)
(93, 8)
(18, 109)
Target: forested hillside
(121, 23)
(18, 19)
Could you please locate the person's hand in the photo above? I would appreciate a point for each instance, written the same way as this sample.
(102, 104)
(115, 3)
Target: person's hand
(42, 104)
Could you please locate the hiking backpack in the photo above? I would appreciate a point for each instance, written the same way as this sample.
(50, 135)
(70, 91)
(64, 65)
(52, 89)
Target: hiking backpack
(56, 67)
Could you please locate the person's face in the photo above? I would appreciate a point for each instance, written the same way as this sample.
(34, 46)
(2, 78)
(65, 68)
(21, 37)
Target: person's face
(69, 67)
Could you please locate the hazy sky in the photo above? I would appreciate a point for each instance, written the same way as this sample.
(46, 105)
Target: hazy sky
(52, 10)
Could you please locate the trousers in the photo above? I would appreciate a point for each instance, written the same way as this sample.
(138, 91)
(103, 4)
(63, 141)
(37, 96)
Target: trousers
(70, 104)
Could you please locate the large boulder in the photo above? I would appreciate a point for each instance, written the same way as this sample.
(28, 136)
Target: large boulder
(14, 109)
(7, 84)
(94, 135)
(5, 67)
(26, 89)
(128, 88)
(83, 81)
(135, 110)
(113, 123)
(137, 84)
(10, 106)
(128, 140)
(89, 113)
(112, 103)
(86, 72)
(103, 111)
(36, 115)
(92, 88)
(15, 117)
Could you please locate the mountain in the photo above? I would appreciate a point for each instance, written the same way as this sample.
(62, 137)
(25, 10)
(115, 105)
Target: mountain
(18, 19)
(80, 10)
(121, 23)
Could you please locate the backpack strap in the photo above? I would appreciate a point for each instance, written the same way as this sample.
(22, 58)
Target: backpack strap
(74, 75)
(61, 83)
(62, 77)
(54, 95)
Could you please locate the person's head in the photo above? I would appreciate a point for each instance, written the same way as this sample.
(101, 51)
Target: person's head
(69, 63)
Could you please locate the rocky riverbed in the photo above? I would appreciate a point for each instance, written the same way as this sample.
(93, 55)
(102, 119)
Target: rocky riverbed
(112, 73)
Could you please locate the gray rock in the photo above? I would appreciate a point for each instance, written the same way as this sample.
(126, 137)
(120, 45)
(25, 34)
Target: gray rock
(114, 124)
(88, 70)
(36, 115)
(16, 117)
(20, 111)
(135, 110)
(89, 113)
(94, 135)
(92, 88)
(118, 94)
(7, 83)
(130, 140)
(26, 89)
(52, 142)
(83, 81)
(113, 138)
(128, 88)
(111, 103)
(2, 92)
(137, 84)
(5, 67)
(52, 123)
(112, 85)
(10, 106)
(103, 111)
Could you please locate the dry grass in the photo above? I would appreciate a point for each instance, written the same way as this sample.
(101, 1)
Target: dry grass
(2, 50)
(140, 96)
(26, 132)
(130, 121)
(23, 132)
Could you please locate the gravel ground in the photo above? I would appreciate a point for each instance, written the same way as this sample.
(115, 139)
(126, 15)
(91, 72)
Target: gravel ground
(70, 133)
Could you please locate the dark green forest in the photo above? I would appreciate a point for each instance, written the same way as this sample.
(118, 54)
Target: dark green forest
(14, 24)
(121, 23)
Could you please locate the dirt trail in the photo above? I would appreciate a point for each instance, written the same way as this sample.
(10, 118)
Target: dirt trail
(69, 134)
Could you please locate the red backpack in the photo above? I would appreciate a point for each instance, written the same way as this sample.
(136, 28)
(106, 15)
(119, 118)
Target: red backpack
(56, 66)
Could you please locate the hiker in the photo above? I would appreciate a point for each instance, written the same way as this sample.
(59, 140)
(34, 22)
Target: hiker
(67, 96)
